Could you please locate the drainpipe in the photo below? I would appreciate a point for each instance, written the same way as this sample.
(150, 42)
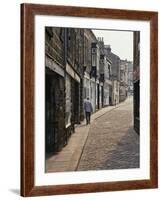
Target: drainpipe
(65, 61)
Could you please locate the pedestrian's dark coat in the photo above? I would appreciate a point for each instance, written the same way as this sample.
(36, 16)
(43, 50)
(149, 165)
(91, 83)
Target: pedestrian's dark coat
(88, 106)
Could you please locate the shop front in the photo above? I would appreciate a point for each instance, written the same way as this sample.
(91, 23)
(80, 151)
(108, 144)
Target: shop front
(55, 137)
(73, 100)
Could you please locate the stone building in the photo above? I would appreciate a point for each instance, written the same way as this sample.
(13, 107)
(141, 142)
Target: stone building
(64, 84)
(55, 136)
(74, 39)
(105, 76)
(91, 69)
(130, 78)
(104, 70)
(123, 92)
(136, 80)
(115, 76)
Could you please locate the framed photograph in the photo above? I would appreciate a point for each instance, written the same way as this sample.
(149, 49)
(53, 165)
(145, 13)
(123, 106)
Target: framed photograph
(89, 99)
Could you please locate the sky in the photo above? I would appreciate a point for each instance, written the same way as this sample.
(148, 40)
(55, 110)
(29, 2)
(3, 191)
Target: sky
(121, 42)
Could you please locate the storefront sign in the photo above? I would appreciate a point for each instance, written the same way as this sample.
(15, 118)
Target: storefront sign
(72, 73)
(53, 66)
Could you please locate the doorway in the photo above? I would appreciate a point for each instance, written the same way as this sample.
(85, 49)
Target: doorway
(54, 113)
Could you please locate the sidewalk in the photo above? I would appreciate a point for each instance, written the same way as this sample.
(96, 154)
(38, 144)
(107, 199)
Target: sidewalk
(68, 158)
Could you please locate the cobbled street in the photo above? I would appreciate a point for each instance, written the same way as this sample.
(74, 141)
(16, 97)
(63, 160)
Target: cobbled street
(111, 143)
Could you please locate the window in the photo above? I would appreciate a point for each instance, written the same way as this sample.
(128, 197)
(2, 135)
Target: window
(93, 50)
(93, 60)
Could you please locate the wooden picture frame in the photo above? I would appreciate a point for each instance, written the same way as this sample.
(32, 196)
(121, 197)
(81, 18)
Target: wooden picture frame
(28, 12)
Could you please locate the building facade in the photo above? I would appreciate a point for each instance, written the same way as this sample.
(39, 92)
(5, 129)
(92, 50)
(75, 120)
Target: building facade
(54, 90)
(136, 81)
(130, 78)
(74, 77)
(105, 78)
(123, 92)
(105, 75)
(64, 85)
(92, 88)
(115, 73)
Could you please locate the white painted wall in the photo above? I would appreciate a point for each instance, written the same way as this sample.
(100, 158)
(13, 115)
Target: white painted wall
(10, 98)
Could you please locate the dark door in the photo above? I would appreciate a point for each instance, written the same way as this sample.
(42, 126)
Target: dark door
(98, 96)
(54, 113)
(102, 96)
(76, 102)
(137, 107)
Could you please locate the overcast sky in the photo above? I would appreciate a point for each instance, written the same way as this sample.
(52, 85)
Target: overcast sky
(121, 42)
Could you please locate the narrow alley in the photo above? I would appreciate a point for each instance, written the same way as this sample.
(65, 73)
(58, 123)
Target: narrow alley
(109, 142)
(112, 143)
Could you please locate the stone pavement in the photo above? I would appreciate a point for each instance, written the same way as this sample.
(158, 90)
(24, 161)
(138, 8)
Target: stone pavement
(112, 143)
(85, 146)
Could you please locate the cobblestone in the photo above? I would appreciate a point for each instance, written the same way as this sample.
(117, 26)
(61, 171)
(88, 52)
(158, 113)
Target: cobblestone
(112, 142)
(108, 143)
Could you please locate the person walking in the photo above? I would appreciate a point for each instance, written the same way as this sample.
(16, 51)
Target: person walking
(88, 110)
